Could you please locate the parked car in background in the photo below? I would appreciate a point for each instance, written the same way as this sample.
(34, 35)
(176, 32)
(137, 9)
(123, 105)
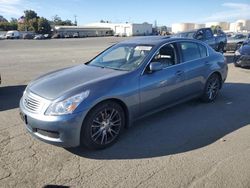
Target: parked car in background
(56, 36)
(68, 36)
(235, 41)
(91, 103)
(47, 36)
(39, 37)
(28, 36)
(12, 34)
(242, 55)
(2, 37)
(217, 41)
(76, 35)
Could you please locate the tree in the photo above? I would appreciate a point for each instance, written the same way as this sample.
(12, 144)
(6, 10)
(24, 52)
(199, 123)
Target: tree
(30, 14)
(67, 22)
(13, 24)
(2, 19)
(5, 25)
(56, 20)
(215, 28)
(43, 26)
(30, 21)
(33, 25)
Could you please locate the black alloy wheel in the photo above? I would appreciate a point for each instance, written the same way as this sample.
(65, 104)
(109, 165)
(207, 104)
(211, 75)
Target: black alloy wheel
(103, 125)
(212, 88)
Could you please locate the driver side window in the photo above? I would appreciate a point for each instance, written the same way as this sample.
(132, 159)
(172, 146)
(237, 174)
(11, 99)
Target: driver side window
(166, 55)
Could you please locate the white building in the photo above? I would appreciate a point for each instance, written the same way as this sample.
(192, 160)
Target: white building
(224, 25)
(126, 29)
(180, 27)
(240, 26)
(198, 26)
(83, 31)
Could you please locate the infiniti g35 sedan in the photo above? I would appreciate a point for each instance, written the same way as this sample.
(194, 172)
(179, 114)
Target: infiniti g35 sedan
(91, 104)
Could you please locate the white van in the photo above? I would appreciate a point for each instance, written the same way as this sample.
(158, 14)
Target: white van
(12, 35)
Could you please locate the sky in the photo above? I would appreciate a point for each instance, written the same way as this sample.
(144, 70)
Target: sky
(164, 12)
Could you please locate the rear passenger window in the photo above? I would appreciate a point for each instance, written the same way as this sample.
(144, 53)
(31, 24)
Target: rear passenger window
(190, 51)
(203, 50)
(209, 34)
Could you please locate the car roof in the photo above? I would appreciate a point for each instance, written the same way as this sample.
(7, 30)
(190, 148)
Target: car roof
(154, 40)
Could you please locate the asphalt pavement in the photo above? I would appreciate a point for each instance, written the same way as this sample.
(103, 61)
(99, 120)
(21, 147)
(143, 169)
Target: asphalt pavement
(190, 145)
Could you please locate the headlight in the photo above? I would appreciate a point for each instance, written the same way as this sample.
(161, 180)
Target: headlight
(66, 106)
(237, 52)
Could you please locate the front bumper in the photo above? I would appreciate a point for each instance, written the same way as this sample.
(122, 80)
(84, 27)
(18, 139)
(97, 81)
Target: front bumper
(63, 130)
(242, 61)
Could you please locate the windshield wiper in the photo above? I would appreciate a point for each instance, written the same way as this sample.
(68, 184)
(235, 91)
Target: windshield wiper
(116, 68)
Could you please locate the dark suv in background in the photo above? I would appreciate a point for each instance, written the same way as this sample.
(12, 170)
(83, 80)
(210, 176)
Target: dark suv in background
(216, 40)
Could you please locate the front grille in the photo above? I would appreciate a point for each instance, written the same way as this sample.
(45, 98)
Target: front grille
(31, 103)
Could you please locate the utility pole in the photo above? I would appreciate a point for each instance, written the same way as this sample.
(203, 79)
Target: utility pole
(75, 20)
(155, 24)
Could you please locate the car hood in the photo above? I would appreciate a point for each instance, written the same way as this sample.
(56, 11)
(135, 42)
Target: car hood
(235, 40)
(245, 50)
(54, 85)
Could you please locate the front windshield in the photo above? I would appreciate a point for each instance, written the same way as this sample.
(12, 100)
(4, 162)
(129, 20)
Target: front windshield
(122, 57)
(238, 37)
(185, 35)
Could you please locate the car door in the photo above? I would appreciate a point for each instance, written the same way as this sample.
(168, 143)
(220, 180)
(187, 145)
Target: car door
(210, 39)
(195, 58)
(163, 87)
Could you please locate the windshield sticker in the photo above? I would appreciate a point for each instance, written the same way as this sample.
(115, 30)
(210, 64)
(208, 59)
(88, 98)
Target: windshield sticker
(143, 48)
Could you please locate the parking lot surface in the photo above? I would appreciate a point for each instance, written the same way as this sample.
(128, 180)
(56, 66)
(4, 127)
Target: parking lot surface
(190, 145)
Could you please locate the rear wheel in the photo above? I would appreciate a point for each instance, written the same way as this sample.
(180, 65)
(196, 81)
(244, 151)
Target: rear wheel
(212, 88)
(103, 125)
(238, 45)
(221, 48)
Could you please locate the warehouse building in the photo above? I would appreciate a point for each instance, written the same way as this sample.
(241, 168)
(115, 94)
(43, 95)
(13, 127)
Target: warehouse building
(83, 31)
(240, 26)
(126, 29)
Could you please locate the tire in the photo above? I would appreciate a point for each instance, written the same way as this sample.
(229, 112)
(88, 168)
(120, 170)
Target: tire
(236, 65)
(221, 48)
(212, 88)
(103, 125)
(238, 45)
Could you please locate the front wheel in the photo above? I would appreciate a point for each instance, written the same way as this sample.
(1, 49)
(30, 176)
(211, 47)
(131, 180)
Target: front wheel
(103, 125)
(212, 88)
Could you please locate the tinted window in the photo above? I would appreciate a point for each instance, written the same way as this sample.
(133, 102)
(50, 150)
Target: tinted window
(200, 35)
(190, 51)
(209, 34)
(203, 50)
(166, 55)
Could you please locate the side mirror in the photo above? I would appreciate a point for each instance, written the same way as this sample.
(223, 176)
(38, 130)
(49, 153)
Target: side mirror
(155, 66)
(199, 37)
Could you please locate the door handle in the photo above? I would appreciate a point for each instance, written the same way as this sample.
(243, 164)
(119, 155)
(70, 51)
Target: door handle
(179, 73)
(207, 63)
